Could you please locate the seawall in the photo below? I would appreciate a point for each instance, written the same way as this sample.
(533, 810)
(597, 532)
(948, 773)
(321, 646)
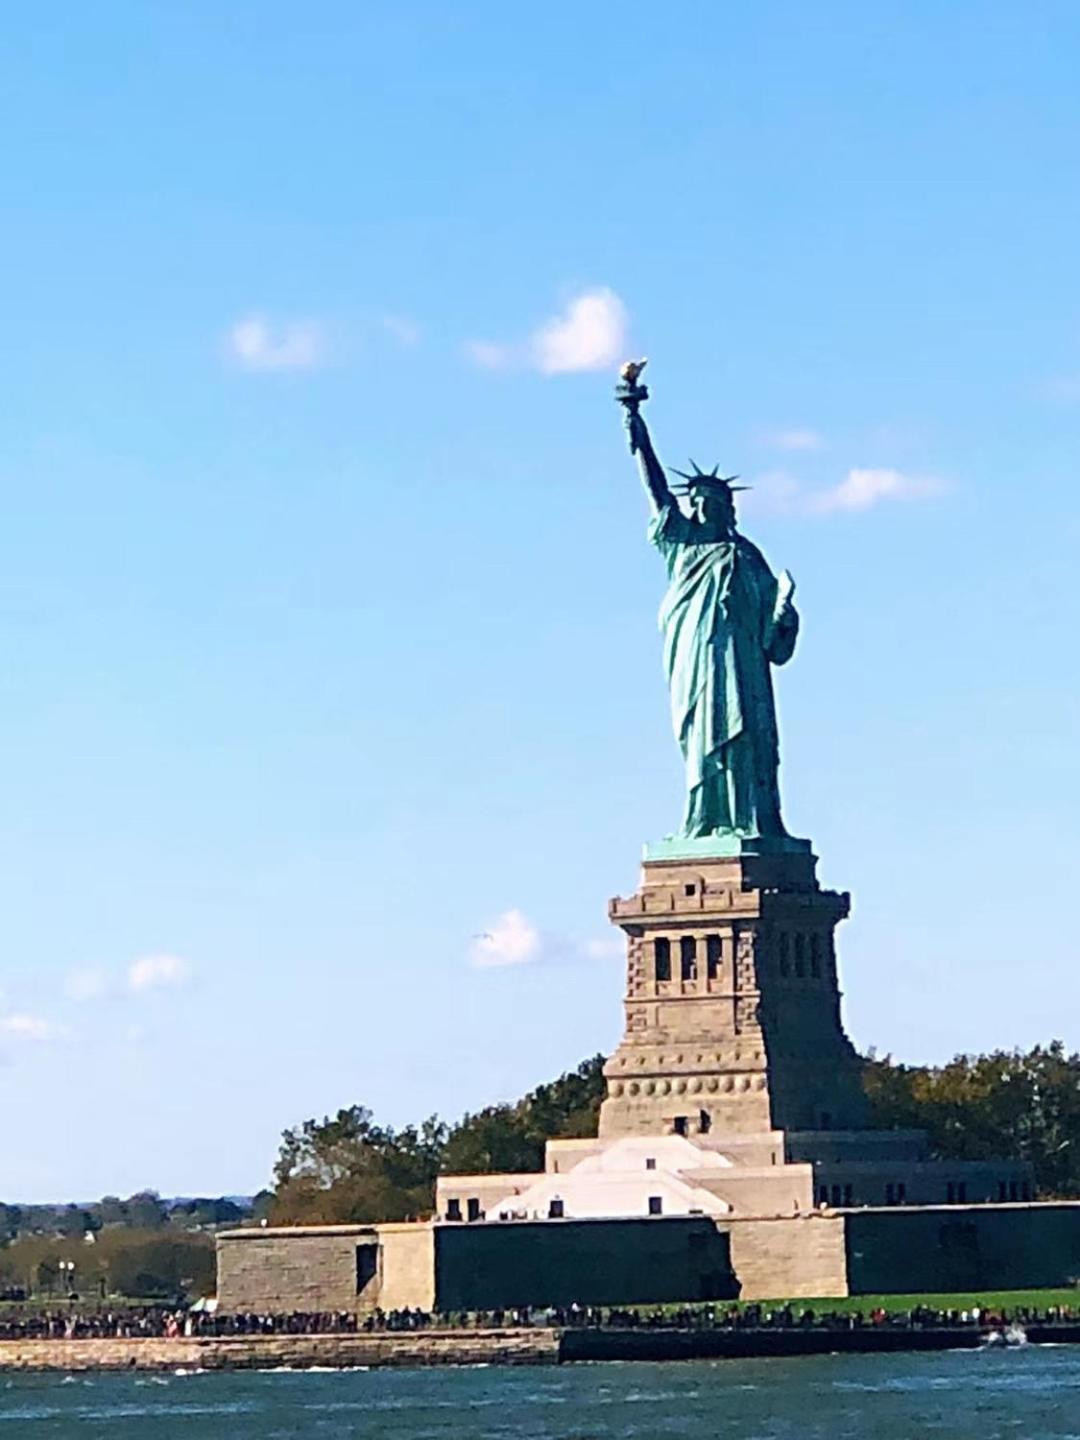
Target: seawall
(532, 1346)
(764, 1342)
(539, 1346)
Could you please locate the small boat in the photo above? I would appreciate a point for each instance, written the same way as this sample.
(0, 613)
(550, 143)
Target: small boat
(1012, 1337)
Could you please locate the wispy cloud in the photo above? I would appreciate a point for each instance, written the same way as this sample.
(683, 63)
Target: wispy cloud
(489, 355)
(405, 331)
(255, 343)
(87, 984)
(781, 493)
(605, 947)
(588, 334)
(1065, 388)
(861, 489)
(29, 1027)
(156, 972)
(511, 940)
(775, 491)
(796, 440)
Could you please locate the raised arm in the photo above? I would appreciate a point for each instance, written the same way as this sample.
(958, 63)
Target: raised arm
(630, 394)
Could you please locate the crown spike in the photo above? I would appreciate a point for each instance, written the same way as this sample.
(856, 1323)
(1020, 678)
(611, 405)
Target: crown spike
(699, 477)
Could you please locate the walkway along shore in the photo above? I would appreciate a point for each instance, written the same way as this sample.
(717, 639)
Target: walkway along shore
(525, 1346)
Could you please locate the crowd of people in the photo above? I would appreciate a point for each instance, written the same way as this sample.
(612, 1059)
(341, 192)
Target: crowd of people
(168, 1322)
(788, 1317)
(137, 1322)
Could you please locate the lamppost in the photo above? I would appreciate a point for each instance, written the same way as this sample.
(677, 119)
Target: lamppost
(67, 1273)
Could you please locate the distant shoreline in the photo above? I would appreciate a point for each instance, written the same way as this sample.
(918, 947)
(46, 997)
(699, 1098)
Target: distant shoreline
(510, 1346)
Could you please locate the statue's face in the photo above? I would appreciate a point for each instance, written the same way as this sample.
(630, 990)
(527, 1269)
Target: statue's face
(713, 509)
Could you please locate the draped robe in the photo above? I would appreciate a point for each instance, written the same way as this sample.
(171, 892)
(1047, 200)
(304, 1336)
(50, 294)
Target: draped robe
(723, 630)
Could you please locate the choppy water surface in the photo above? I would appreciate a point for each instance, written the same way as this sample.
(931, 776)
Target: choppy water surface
(964, 1395)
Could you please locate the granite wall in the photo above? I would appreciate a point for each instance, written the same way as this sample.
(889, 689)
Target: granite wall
(310, 1268)
(590, 1262)
(789, 1257)
(489, 1347)
(956, 1248)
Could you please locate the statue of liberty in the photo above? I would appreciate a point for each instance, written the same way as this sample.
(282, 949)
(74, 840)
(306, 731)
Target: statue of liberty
(726, 620)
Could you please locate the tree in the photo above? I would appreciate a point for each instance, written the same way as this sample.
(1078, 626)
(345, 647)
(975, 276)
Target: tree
(159, 1263)
(492, 1141)
(512, 1137)
(262, 1205)
(1005, 1105)
(10, 1221)
(203, 1211)
(112, 1210)
(144, 1210)
(346, 1168)
(73, 1223)
(569, 1108)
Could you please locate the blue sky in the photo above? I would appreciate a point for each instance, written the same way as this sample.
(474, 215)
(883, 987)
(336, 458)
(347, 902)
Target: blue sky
(327, 618)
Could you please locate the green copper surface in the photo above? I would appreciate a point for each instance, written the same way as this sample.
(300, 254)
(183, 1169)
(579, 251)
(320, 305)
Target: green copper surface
(726, 620)
(723, 847)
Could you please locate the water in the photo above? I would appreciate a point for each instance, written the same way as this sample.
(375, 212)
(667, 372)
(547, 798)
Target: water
(961, 1395)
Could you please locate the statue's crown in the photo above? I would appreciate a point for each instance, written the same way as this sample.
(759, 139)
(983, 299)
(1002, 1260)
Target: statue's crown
(700, 479)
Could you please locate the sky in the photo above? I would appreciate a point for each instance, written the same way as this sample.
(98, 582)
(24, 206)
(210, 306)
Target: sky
(328, 637)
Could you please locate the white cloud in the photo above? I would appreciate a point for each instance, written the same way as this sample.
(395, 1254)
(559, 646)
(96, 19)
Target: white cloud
(155, 972)
(406, 332)
(778, 492)
(589, 334)
(28, 1027)
(488, 355)
(862, 488)
(89, 984)
(256, 344)
(512, 940)
(804, 440)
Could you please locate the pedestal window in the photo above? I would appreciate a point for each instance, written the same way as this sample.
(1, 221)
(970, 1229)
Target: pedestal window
(662, 958)
(713, 953)
(688, 958)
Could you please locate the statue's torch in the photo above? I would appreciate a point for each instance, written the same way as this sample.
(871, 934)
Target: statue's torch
(630, 393)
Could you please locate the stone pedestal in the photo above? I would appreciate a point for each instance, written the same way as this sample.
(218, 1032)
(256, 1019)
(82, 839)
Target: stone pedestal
(732, 1002)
